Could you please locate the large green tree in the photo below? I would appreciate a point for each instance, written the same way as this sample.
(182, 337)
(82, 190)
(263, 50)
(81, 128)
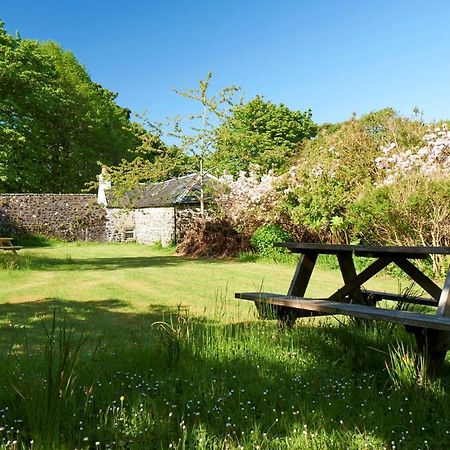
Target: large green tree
(55, 122)
(260, 132)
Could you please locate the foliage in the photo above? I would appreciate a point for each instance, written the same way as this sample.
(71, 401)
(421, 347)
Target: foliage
(249, 201)
(53, 389)
(197, 137)
(414, 211)
(260, 132)
(264, 238)
(151, 161)
(194, 135)
(431, 161)
(55, 122)
(409, 201)
(319, 202)
(335, 168)
(174, 337)
(405, 368)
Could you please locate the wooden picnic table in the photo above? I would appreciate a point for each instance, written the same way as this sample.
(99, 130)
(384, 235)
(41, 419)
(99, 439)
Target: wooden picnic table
(6, 244)
(432, 332)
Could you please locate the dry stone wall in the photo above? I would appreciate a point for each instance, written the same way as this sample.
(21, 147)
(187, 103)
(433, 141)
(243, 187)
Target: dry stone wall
(64, 216)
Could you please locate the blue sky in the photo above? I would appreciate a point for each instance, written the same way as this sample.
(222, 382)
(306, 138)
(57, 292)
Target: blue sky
(335, 57)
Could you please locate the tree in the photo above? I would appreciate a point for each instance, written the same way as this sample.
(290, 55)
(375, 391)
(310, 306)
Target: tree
(260, 132)
(151, 161)
(199, 136)
(55, 122)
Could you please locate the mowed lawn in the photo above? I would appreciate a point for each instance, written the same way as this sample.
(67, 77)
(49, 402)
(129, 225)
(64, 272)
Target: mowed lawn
(120, 287)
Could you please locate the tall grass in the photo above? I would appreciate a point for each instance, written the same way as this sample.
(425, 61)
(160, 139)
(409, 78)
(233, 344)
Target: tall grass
(207, 374)
(47, 385)
(243, 385)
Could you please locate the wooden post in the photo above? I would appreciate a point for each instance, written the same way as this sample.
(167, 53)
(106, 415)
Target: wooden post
(298, 286)
(444, 299)
(433, 344)
(348, 272)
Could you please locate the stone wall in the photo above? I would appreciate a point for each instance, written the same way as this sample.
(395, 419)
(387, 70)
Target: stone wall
(155, 225)
(118, 223)
(63, 216)
(150, 225)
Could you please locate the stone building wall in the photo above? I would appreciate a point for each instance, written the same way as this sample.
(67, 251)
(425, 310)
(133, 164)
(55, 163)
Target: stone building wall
(119, 225)
(150, 225)
(155, 225)
(79, 217)
(63, 216)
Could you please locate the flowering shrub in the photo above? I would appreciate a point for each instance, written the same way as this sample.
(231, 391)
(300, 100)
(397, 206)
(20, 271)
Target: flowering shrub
(315, 198)
(432, 160)
(250, 200)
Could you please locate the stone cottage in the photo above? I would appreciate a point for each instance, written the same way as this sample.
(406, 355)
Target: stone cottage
(159, 212)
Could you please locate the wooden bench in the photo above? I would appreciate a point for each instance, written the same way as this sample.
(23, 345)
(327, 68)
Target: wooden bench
(324, 306)
(378, 296)
(6, 244)
(432, 332)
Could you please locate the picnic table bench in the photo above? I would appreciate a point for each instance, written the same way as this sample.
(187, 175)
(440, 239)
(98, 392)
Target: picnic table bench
(6, 244)
(432, 332)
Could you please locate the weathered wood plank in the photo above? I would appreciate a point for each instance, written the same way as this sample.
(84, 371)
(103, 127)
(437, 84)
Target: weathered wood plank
(420, 278)
(348, 272)
(13, 248)
(364, 276)
(303, 274)
(379, 295)
(368, 251)
(350, 309)
(444, 300)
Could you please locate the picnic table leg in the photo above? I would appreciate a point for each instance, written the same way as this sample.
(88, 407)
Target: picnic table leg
(287, 316)
(432, 347)
(433, 344)
(348, 272)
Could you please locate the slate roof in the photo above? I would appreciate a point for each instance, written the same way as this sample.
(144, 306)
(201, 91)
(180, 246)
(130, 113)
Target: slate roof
(176, 191)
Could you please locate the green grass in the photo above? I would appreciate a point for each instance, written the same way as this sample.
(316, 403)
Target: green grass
(149, 350)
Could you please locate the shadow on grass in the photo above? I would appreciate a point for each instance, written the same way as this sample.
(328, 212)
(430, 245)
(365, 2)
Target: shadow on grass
(38, 262)
(106, 319)
(33, 241)
(239, 379)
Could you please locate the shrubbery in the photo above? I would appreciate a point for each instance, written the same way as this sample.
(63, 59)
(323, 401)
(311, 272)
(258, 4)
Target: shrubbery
(212, 238)
(382, 179)
(415, 211)
(264, 238)
(335, 169)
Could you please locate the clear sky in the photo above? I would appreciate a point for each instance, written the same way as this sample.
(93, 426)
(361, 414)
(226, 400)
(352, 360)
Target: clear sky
(335, 57)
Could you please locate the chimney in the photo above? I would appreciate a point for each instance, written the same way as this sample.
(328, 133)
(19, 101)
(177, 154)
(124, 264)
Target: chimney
(104, 184)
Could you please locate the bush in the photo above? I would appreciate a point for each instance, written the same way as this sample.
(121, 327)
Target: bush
(410, 212)
(264, 238)
(212, 238)
(332, 170)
